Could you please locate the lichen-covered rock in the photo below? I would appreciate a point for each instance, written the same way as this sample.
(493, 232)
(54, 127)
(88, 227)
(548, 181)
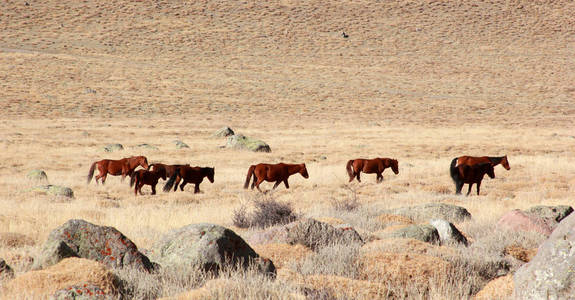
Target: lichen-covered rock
(78, 238)
(239, 141)
(210, 247)
(517, 220)
(551, 215)
(54, 190)
(448, 233)
(551, 273)
(180, 145)
(425, 233)
(147, 147)
(5, 271)
(37, 175)
(425, 212)
(224, 132)
(82, 292)
(315, 234)
(113, 147)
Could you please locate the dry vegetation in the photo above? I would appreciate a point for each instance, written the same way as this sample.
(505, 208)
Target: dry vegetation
(420, 81)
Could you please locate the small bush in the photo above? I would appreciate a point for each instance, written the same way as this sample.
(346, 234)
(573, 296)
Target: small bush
(267, 212)
(349, 203)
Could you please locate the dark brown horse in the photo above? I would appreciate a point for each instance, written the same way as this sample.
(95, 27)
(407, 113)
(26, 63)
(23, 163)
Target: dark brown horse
(270, 172)
(473, 160)
(471, 174)
(141, 177)
(124, 167)
(355, 166)
(189, 174)
(169, 170)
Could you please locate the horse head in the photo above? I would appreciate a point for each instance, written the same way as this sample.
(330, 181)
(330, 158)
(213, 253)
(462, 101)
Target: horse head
(505, 162)
(394, 166)
(303, 171)
(143, 161)
(210, 172)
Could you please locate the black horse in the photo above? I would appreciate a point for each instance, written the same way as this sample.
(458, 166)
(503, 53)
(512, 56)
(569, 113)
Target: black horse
(463, 174)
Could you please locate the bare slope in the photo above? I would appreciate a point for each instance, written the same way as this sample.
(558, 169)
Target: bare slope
(441, 62)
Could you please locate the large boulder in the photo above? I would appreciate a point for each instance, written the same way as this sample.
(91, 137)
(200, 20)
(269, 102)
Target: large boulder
(517, 220)
(314, 234)
(239, 141)
(37, 175)
(551, 273)
(78, 238)
(54, 190)
(224, 132)
(210, 247)
(449, 212)
(551, 215)
(423, 232)
(70, 272)
(448, 233)
(113, 147)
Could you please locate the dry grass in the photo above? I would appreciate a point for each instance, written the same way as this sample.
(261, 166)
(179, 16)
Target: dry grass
(419, 81)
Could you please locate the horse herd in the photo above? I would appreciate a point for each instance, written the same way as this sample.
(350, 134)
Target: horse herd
(463, 169)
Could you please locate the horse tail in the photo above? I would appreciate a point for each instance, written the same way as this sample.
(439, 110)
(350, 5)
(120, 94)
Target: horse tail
(170, 183)
(250, 173)
(349, 168)
(454, 171)
(133, 179)
(91, 172)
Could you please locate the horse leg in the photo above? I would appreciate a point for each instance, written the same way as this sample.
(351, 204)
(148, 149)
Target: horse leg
(153, 189)
(183, 185)
(458, 187)
(197, 188)
(286, 183)
(178, 178)
(469, 189)
(104, 178)
(276, 184)
(478, 185)
(379, 178)
(258, 185)
(357, 176)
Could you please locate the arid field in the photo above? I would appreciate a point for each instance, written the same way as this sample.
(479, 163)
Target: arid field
(419, 81)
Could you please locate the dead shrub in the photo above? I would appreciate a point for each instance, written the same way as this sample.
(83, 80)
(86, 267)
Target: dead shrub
(267, 212)
(349, 203)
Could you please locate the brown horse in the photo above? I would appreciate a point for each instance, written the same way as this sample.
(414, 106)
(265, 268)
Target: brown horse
(141, 177)
(189, 174)
(124, 167)
(169, 170)
(472, 174)
(473, 160)
(278, 173)
(377, 165)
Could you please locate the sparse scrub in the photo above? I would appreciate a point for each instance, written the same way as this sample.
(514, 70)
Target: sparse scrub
(267, 212)
(335, 259)
(346, 203)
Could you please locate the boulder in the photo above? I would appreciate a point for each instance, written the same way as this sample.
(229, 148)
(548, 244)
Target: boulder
(315, 234)
(6, 271)
(180, 145)
(37, 175)
(147, 147)
(70, 272)
(449, 212)
(277, 234)
(448, 233)
(425, 233)
(82, 292)
(54, 190)
(551, 215)
(224, 132)
(113, 147)
(209, 246)
(516, 220)
(550, 274)
(239, 141)
(78, 238)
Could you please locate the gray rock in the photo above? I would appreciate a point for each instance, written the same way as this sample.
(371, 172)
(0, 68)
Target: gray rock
(449, 212)
(5, 271)
(147, 147)
(210, 247)
(242, 142)
(83, 292)
(224, 132)
(37, 175)
(315, 234)
(551, 273)
(54, 190)
(113, 147)
(180, 144)
(551, 215)
(448, 233)
(425, 233)
(78, 238)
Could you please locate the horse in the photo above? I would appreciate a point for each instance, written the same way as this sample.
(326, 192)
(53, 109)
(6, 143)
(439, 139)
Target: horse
(189, 174)
(377, 165)
(124, 167)
(141, 177)
(169, 170)
(470, 174)
(273, 172)
(473, 160)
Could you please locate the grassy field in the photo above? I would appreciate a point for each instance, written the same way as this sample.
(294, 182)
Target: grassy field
(421, 81)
